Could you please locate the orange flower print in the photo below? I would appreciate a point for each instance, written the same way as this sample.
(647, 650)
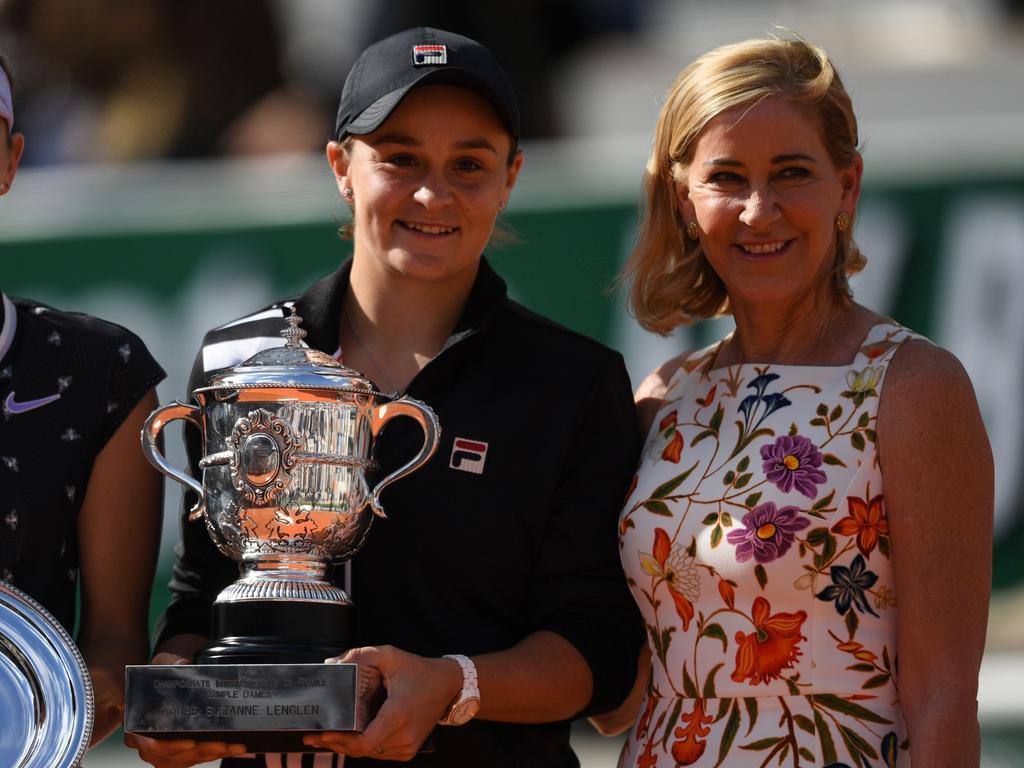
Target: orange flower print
(708, 399)
(867, 521)
(725, 589)
(675, 566)
(690, 744)
(645, 719)
(763, 654)
(673, 450)
(647, 758)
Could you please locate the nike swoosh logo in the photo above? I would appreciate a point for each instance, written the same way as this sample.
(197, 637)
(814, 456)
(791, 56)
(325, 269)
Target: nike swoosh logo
(12, 406)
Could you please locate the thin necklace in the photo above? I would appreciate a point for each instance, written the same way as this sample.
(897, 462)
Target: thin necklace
(359, 343)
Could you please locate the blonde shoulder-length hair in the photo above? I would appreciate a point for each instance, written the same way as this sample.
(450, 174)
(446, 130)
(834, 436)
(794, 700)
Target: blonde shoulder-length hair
(670, 280)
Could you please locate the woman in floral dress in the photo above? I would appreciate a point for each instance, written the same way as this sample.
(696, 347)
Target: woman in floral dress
(809, 532)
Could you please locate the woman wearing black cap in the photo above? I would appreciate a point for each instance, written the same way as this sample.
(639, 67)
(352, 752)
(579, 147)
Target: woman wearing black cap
(492, 599)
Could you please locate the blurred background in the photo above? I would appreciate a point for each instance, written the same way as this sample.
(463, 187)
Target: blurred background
(174, 179)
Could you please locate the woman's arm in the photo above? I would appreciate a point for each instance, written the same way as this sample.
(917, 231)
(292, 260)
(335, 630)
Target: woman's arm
(938, 470)
(541, 679)
(119, 536)
(649, 397)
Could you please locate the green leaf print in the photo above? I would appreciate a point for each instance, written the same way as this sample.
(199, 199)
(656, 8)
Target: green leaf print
(824, 502)
(709, 681)
(864, 420)
(672, 720)
(751, 704)
(761, 575)
(752, 500)
(716, 419)
(658, 508)
(703, 436)
(732, 727)
(666, 488)
(710, 518)
(689, 688)
(833, 460)
(804, 722)
(852, 622)
(716, 536)
(806, 754)
(836, 414)
(716, 631)
(856, 745)
(744, 463)
(828, 747)
(762, 744)
(839, 704)
(877, 681)
(857, 440)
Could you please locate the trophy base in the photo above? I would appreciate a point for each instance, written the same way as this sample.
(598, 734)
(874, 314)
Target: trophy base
(272, 632)
(266, 707)
(263, 683)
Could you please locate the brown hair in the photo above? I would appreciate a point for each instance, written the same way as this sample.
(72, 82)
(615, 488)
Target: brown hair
(670, 280)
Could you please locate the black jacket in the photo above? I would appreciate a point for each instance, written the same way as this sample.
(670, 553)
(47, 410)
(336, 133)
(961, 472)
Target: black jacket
(466, 562)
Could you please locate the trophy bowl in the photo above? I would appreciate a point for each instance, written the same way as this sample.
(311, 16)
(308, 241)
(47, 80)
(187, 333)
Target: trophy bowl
(287, 444)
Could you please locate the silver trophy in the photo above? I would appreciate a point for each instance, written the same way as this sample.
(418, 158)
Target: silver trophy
(287, 446)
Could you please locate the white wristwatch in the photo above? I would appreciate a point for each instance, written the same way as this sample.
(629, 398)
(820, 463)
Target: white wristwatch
(464, 706)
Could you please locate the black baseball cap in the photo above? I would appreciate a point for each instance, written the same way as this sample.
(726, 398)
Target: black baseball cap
(386, 71)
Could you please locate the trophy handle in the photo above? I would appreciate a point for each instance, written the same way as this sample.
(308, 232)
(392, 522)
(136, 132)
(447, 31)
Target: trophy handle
(157, 420)
(426, 418)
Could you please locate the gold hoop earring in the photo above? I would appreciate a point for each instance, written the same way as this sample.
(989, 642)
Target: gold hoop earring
(691, 230)
(842, 221)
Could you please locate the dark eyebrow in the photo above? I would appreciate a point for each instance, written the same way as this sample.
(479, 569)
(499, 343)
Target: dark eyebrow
(396, 138)
(729, 162)
(476, 144)
(409, 141)
(791, 157)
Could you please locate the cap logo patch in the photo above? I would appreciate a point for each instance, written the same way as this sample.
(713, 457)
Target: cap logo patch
(468, 455)
(422, 55)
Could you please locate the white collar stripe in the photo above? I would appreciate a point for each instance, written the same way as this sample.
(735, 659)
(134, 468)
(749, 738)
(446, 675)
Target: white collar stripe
(9, 327)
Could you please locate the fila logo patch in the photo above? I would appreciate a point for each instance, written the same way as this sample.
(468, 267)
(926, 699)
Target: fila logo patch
(422, 55)
(468, 455)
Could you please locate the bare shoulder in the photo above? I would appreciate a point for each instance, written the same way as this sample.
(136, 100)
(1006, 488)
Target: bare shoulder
(927, 405)
(651, 392)
(924, 376)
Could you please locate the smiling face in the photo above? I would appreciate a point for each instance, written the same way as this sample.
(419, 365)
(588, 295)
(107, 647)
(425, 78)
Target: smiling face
(428, 184)
(765, 194)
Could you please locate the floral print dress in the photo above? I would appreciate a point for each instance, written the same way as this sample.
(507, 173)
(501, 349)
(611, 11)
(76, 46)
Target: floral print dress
(755, 539)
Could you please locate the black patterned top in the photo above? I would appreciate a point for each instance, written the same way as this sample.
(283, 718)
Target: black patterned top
(67, 382)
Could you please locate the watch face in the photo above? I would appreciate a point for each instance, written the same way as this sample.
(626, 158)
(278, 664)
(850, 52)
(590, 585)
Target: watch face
(463, 712)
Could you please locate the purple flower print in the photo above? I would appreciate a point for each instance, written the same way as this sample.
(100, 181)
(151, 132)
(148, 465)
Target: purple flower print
(793, 461)
(768, 532)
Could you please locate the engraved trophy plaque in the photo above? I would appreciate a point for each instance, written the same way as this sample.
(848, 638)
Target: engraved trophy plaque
(287, 443)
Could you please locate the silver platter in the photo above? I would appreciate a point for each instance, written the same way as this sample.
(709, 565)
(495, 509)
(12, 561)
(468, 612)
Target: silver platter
(46, 698)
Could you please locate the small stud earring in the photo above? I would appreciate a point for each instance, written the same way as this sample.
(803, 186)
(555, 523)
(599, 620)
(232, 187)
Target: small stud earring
(691, 230)
(501, 206)
(842, 221)
(348, 193)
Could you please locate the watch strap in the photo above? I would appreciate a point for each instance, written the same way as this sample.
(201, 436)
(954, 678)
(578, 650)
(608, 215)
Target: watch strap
(470, 688)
